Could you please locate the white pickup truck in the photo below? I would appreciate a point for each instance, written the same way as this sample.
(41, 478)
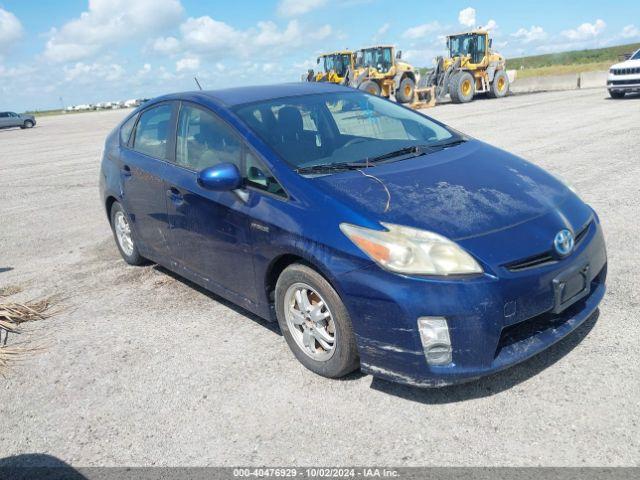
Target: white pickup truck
(624, 77)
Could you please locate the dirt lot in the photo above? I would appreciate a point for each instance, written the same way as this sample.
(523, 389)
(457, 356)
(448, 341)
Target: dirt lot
(145, 369)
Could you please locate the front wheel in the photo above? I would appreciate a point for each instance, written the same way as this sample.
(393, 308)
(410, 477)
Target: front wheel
(315, 323)
(121, 226)
(462, 87)
(617, 94)
(406, 91)
(371, 87)
(500, 85)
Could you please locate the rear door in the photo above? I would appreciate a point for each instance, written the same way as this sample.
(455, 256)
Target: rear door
(4, 119)
(143, 166)
(208, 229)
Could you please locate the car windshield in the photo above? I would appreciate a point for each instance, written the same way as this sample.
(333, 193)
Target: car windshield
(343, 129)
(636, 56)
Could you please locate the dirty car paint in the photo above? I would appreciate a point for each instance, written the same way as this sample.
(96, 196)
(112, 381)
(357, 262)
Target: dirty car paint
(498, 207)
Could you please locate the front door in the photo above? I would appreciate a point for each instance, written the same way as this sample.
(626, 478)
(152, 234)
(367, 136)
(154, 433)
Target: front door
(208, 229)
(142, 170)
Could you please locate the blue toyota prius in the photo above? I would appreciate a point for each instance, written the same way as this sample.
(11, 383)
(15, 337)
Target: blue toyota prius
(376, 236)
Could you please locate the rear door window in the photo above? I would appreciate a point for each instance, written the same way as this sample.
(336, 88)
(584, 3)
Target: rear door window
(152, 132)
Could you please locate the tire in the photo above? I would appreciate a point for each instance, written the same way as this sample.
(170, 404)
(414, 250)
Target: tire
(406, 91)
(462, 87)
(128, 251)
(343, 357)
(28, 124)
(371, 87)
(500, 85)
(617, 94)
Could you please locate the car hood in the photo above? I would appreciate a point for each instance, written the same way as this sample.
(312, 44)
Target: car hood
(627, 64)
(461, 192)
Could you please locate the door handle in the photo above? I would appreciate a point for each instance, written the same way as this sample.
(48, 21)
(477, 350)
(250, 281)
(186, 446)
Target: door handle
(175, 196)
(126, 171)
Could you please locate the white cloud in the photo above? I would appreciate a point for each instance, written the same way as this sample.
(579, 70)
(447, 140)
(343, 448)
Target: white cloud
(491, 25)
(535, 33)
(630, 31)
(467, 17)
(421, 31)
(586, 31)
(209, 34)
(107, 23)
(383, 29)
(269, 35)
(294, 8)
(187, 63)
(10, 30)
(166, 45)
(88, 73)
(212, 39)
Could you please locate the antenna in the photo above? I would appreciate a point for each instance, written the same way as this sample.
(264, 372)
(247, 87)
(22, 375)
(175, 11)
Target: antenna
(197, 83)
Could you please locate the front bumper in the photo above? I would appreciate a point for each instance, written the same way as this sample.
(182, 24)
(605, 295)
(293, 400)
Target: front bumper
(494, 322)
(624, 83)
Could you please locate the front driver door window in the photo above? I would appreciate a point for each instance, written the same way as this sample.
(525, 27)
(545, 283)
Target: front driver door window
(209, 234)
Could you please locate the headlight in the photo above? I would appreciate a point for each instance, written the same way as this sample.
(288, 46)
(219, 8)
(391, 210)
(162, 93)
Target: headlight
(409, 250)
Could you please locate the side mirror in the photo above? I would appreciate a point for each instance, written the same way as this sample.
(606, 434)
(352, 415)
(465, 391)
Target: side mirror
(221, 177)
(399, 55)
(318, 60)
(490, 42)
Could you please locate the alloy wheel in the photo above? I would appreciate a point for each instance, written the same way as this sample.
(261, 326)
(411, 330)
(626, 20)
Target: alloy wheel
(123, 233)
(310, 321)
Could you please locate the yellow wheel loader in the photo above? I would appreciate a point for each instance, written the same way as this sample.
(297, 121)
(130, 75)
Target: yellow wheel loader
(471, 68)
(334, 67)
(380, 71)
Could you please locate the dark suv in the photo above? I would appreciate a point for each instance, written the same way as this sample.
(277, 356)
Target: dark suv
(11, 119)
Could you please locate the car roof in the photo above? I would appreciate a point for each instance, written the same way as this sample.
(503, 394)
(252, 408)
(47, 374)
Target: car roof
(231, 97)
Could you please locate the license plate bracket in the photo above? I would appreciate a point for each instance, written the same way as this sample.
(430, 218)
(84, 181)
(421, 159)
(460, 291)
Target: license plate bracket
(571, 286)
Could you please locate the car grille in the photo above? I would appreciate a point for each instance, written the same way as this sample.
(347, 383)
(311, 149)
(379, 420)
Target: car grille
(624, 82)
(528, 328)
(625, 71)
(545, 258)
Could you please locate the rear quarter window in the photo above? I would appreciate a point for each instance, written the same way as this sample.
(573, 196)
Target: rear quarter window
(126, 129)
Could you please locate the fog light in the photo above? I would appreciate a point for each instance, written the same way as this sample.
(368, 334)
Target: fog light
(434, 334)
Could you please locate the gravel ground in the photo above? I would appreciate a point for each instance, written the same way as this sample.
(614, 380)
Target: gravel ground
(144, 369)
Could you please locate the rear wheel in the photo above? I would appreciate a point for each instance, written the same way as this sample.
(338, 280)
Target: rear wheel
(407, 88)
(121, 227)
(616, 94)
(315, 323)
(500, 86)
(462, 87)
(371, 87)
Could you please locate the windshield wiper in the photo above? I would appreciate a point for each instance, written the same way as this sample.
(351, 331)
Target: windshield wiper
(415, 149)
(451, 142)
(330, 167)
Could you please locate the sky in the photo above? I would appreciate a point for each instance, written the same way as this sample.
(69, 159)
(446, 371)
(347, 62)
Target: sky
(68, 52)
